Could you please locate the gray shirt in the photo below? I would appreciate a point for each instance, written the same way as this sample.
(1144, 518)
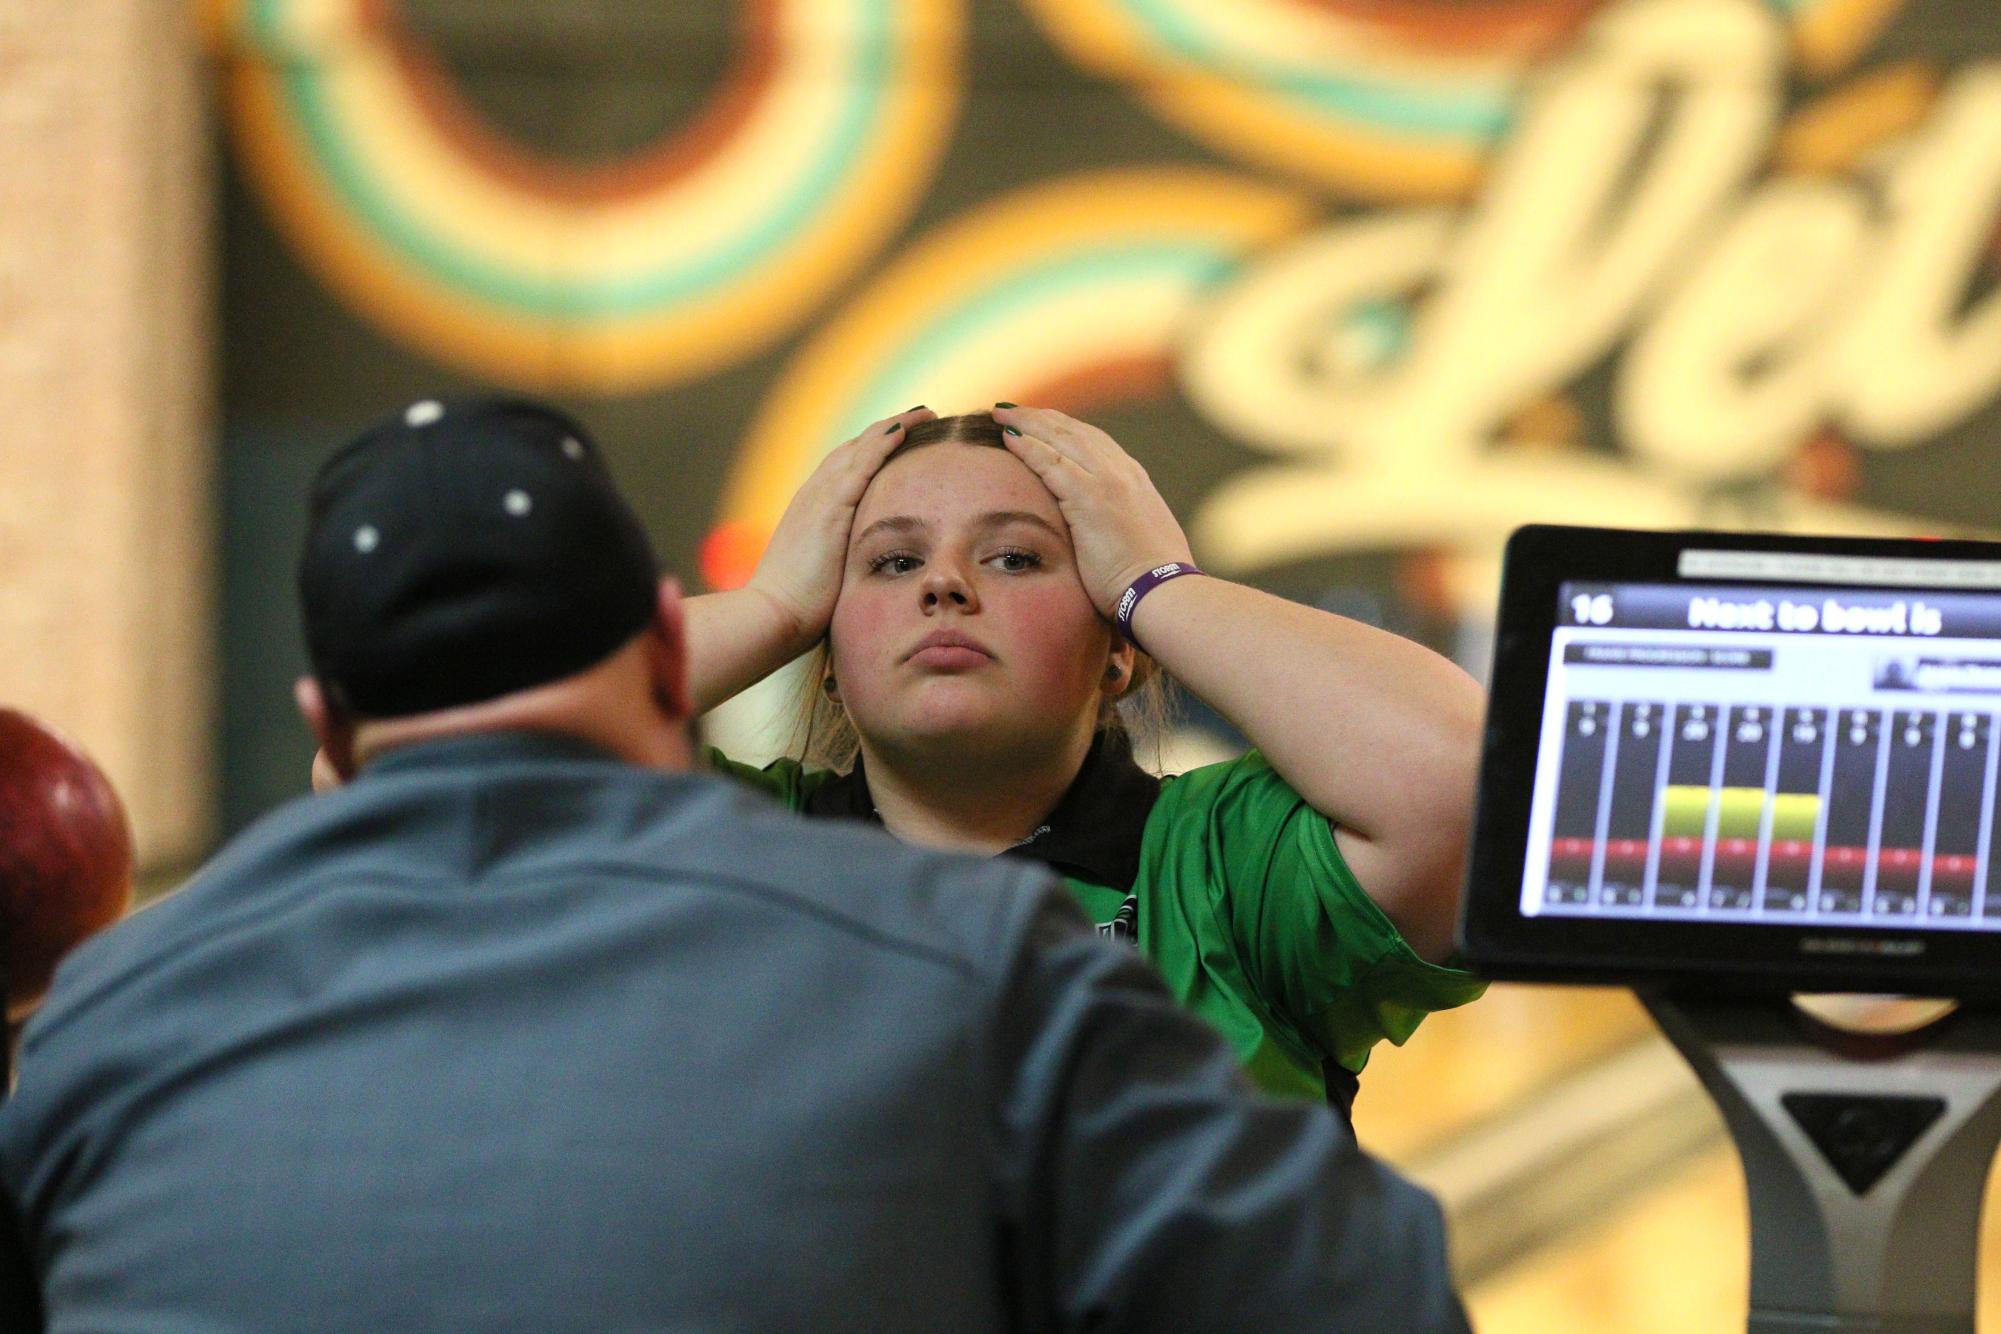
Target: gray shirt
(510, 1035)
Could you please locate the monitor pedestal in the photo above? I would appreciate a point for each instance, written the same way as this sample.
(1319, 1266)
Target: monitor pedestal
(1865, 1156)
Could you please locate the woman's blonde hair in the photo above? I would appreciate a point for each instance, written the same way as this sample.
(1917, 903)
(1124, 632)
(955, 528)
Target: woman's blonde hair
(823, 736)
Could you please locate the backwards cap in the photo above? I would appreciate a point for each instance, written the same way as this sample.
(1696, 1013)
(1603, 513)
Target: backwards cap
(463, 550)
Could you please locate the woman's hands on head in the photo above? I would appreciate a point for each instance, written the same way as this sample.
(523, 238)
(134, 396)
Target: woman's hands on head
(1119, 525)
(800, 571)
(1377, 733)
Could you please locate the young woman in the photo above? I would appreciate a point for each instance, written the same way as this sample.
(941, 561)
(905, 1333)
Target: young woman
(962, 578)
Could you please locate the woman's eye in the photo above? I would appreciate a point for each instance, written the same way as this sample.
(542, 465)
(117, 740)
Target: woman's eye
(893, 562)
(1017, 562)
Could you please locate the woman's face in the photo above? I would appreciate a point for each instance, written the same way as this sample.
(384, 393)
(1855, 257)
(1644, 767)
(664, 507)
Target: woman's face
(961, 618)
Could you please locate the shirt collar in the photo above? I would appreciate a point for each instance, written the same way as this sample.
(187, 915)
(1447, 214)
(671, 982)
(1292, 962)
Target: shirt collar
(471, 748)
(1093, 833)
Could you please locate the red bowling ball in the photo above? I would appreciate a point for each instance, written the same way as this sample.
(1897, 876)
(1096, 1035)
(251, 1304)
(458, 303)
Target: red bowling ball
(65, 855)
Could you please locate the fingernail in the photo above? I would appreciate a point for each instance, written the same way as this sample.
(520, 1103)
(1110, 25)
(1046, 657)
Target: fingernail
(918, 408)
(1010, 430)
(1003, 405)
(892, 428)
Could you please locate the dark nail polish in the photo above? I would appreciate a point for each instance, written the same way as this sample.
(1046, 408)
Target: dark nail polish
(918, 408)
(1003, 405)
(892, 428)
(1010, 430)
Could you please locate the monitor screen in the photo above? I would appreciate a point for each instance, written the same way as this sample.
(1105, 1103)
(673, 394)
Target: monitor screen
(1769, 760)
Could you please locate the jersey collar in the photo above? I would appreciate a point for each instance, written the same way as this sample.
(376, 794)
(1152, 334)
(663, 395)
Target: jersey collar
(1092, 834)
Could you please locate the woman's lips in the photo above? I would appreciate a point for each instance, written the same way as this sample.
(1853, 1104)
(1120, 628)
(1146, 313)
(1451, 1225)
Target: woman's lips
(948, 650)
(949, 657)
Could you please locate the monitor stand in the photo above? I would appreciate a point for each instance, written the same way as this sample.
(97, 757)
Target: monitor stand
(1865, 1157)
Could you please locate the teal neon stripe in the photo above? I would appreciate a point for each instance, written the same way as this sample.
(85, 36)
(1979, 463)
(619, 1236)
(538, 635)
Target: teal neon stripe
(264, 23)
(1481, 118)
(584, 302)
(1352, 97)
(938, 340)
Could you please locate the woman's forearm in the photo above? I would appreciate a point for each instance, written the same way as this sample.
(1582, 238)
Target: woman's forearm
(736, 639)
(1377, 733)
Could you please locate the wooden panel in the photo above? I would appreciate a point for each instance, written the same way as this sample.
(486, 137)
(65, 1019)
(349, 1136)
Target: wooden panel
(104, 366)
(1470, 1064)
(1668, 1262)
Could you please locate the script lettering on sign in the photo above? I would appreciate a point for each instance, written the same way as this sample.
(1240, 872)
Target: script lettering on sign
(1630, 222)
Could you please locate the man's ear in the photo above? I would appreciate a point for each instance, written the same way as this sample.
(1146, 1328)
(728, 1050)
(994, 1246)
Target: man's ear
(334, 764)
(667, 651)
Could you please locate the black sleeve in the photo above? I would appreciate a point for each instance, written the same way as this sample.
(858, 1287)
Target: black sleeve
(20, 1294)
(1149, 1187)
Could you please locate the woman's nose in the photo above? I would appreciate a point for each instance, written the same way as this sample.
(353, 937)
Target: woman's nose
(944, 587)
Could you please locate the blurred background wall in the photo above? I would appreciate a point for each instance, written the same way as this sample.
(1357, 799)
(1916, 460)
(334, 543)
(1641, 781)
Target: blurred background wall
(1363, 283)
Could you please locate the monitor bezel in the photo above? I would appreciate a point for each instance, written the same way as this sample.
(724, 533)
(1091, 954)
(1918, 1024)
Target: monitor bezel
(1498, 940)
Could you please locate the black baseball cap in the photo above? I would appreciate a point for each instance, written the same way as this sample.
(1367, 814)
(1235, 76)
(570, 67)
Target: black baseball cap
(465, 549)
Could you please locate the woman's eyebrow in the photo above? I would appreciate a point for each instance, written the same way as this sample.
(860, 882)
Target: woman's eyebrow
(1002, 518)
(895, 523)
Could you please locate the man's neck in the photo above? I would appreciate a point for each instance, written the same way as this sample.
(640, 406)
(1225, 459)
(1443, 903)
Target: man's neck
(986, 804)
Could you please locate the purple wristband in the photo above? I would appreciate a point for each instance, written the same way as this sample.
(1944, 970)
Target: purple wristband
(1139, 588)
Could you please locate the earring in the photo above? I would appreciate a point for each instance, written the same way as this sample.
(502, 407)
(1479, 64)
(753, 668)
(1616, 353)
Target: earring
(1114, 673)
(830, 689)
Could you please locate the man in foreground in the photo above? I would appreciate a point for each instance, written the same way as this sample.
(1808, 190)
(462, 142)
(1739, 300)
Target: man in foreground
(530, 1026)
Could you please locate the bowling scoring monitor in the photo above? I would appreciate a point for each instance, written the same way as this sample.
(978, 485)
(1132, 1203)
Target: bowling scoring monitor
(1742, 762)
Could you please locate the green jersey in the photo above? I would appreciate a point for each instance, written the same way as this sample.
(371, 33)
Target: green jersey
(1234, 887)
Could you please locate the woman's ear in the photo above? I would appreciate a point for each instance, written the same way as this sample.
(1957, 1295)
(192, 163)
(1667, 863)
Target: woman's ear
(830, 678)
(1119, 668)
